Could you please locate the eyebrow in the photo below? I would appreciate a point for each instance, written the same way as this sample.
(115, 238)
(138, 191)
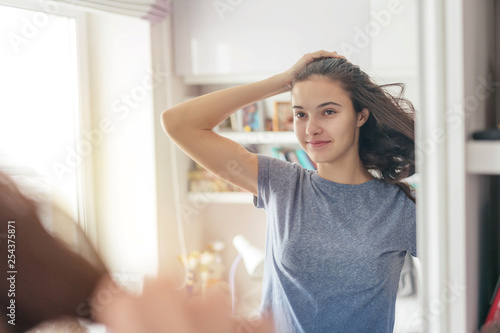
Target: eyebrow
(319, 106)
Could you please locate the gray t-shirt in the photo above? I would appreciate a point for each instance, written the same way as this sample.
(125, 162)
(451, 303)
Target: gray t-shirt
(334, 252)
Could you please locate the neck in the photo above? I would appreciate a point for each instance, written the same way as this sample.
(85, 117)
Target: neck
(345, 171)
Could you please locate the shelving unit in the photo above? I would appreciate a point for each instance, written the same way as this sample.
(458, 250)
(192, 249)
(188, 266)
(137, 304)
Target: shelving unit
(454, 227)
(261, 138)
(268, 138)
(254, 138)
(221, 197)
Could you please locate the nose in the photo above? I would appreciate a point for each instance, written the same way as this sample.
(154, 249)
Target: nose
(313, 127)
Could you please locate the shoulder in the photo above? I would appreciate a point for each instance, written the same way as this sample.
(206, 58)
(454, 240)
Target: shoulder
(280, 176)
(277, 180)
(275, 168)
(385, 187)
(393, 196)
(406, 207)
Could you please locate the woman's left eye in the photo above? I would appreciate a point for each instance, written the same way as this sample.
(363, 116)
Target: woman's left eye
(330, 112)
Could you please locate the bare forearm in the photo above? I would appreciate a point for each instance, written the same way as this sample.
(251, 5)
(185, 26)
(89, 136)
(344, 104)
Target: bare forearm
(205, 112)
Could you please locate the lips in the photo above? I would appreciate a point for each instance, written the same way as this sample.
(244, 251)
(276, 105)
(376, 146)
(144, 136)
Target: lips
(318, 143)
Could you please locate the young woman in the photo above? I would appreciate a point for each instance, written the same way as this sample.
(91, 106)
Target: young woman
(336, 237)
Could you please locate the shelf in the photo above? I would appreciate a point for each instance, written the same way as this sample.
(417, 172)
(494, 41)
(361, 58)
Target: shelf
(268, 138)
(483, 157)
(221, 197)
(244, 197)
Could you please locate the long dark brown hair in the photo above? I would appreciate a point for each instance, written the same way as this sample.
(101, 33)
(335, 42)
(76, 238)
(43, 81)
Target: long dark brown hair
(52, 280)
(387, 138)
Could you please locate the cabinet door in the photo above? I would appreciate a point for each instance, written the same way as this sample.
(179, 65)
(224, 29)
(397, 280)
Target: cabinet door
(220, 37)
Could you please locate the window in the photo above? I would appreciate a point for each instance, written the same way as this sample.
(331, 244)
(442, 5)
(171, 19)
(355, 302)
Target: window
(40, 107)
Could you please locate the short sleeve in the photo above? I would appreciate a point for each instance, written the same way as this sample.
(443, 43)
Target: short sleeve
(413, 231)
(262, 197)
(274, 176)
(413, 248)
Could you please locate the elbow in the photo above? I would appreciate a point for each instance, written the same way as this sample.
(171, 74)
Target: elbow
(168, 122)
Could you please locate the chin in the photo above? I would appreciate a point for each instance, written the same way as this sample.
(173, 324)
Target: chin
(319, 159)
(323, 158)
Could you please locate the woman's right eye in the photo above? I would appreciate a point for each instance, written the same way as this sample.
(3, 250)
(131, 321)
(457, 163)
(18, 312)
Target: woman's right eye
(300, 114)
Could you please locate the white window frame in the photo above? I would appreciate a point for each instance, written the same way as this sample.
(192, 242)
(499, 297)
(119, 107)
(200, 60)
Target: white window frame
(85, 191)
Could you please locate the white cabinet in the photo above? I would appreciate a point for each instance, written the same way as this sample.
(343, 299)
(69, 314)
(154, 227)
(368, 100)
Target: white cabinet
(238, 37)
(237, 41)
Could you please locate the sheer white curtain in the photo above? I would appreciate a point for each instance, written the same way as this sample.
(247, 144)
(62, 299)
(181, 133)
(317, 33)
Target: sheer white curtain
(152, 10)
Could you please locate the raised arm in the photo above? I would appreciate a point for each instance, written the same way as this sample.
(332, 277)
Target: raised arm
(190, 125)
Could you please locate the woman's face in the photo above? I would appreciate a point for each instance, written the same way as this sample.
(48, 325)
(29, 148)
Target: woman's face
(325, 122)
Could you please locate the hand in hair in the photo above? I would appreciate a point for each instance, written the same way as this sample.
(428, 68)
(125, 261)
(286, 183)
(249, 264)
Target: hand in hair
(289, 74)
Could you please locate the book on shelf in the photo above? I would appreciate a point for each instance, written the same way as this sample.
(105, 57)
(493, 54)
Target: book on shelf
(298, 156)
(278, 153)
(304, 160)
(235, 120)
(250, 118)
(201, 180)
(282, 116)
(292, 157)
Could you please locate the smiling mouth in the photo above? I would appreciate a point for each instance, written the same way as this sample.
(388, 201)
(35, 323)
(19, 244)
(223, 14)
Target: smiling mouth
(318, 144)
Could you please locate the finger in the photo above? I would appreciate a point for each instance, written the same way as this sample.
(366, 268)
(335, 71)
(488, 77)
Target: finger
(327, 54)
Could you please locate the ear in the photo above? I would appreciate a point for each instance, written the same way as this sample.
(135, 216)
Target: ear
(363, 117)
